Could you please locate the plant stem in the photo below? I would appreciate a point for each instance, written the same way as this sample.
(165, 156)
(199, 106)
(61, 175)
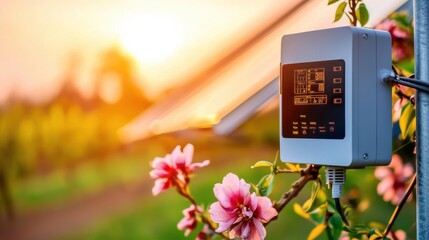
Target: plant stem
(184, 191)
(310, 173)
(399, 206)
(352, 6)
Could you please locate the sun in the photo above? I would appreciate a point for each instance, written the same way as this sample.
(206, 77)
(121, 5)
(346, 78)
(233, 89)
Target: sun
(151, 39)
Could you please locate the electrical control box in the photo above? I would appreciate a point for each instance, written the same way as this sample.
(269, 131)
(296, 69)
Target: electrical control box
(335, 108)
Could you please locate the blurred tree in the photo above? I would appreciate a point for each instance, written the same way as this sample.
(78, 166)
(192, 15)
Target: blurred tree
(69, 128)
(117, 86)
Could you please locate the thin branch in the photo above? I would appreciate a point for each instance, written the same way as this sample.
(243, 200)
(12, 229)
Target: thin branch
(349, 17)
(399, 206)
(310, 173)
(184, 191)
(352, 6)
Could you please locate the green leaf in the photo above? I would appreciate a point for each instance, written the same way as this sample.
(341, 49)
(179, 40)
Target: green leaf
(318, 214)
(255, 188)
(314, 192)
(321, 196)
(375, 234)
(266, 185)
(316, 231)
(336, 224)
(407, 121)
(262, 164)
(375, 237)
(300, 211)
(276, 163)
(340, 11)
(362, 14)
(332, 2)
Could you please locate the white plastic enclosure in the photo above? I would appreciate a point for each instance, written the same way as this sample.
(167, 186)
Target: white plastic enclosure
(335, 109)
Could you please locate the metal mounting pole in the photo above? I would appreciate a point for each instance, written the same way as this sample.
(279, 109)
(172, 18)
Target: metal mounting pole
(421, 44)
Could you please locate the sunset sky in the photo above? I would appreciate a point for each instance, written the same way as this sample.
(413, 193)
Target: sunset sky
(169, 39)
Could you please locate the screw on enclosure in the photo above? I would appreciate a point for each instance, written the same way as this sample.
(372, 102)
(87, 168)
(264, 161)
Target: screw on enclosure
(365, 156)
(365, 36)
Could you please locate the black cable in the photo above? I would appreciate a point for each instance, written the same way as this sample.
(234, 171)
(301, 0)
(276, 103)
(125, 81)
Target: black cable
(406, 82)
(415, 81)
(340, 211)
(412, 85)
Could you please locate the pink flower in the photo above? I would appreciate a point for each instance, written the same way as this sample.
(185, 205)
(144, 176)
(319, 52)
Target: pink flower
(238, 211)
(394, 29)
(189, 222)
(400, 38)
(393, 184)
(174, 169)
(399, 234)
(203, 234)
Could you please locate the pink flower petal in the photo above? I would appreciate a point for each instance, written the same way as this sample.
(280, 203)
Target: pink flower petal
(259, 232)
(385, 184)
(162, 163)
(189, 221)
(382, 172)
(245, 230)
(229, 192)
(188, 151)
(173, 168)
(396, 163)
(407, 171)
(160, 186)
(184, 223)
(388, 195)
(224, 218)
(194, 166)
(159, 173)
(239, 211)
(236, 231)
(179, 160)
(265, 211)
(401, 235)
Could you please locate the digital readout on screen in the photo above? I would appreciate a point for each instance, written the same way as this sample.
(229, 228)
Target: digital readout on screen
(313, 103)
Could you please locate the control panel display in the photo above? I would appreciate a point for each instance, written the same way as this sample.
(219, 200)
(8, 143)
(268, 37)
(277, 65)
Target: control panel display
(313, 95)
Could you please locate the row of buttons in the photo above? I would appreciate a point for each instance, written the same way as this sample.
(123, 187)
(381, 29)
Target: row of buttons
(337, 90)
(311, 129)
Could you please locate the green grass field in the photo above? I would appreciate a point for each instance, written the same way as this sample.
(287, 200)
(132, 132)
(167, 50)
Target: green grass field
(152, 217)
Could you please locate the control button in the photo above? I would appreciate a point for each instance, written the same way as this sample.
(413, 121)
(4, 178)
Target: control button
(337, 90)
(338, 100)
(332, 129)
(304, 132)
(295, 132)
(337, 68)
(337, 80)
